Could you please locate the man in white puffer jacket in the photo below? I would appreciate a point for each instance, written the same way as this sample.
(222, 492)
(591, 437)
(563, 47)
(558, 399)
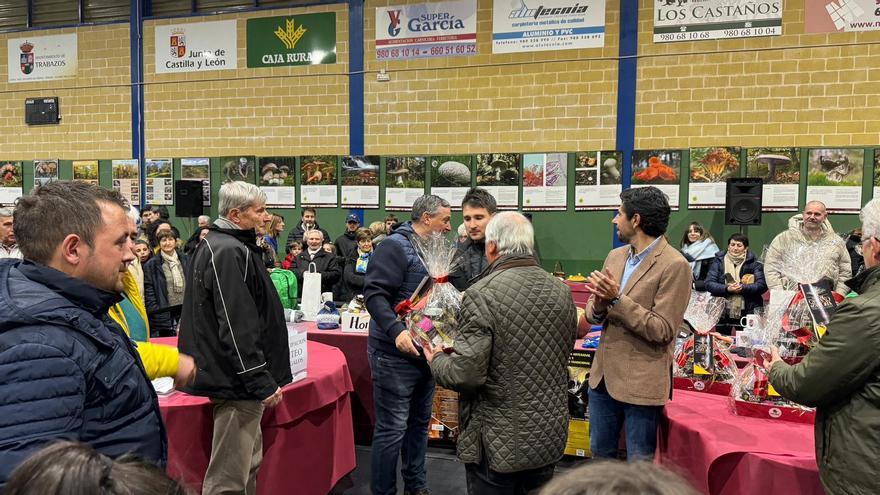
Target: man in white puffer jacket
(808, 230)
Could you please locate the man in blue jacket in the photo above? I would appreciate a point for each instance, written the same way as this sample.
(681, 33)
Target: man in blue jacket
(403, 387)
(67, 371)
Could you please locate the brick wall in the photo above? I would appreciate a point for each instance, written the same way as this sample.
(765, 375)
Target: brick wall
(538, 101)
(266, 111)
(791, 90)
(95, 105)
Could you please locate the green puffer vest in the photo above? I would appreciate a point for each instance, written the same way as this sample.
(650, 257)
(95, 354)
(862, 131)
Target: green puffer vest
(518, 329)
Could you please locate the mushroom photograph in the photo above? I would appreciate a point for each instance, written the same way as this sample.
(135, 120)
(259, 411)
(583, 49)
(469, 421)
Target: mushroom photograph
(317, 170)
(10, 174)
(656, 166)
(277, 171)
(405, 172)
(774, 165)
(498, 169)
(451, 171)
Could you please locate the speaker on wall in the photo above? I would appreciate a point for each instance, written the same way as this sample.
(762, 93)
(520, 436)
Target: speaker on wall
(743, 202)
(188, 195)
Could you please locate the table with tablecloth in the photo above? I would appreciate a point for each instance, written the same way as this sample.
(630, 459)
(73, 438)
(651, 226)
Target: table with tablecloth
(725, 454)
(308, 438)
(354, 346)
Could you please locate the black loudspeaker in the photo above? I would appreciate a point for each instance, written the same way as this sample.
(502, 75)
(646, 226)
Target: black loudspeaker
(189, 197)
(743, 205)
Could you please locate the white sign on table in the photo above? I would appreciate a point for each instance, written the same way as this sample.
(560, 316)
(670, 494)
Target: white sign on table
(299, 352)
(196, 47)
(355, 322)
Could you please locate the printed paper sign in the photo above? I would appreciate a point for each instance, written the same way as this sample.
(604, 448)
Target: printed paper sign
(534, 26)
(598, 180)
(545, 181)
(834, 177)
(689, 20)
(404, 181)
(318, 181)
(126, 180)
(426, 30)
(360, 181)
(196, 47)
(658, 168)
(498, 173)
(781, 171)
(710, 169)
(277, 178)
(198, 169)
(451, 178)
(10, 182)
(159, 182)
(42, 58)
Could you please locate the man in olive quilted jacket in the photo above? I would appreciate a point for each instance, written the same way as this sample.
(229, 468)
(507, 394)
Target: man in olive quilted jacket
(517, 329)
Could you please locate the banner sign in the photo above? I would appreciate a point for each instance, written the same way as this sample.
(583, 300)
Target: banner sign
(196, 47)
(547, 25)
(683, 20)
(831, 16)
(426, 30)
(42, 58)
(303, 39)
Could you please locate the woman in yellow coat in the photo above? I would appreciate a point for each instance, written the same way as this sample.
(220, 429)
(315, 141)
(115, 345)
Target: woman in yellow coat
(159, 360)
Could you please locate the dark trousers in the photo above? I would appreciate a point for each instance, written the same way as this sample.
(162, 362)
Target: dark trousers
(481, 480)
(608, 415)
(403, 392)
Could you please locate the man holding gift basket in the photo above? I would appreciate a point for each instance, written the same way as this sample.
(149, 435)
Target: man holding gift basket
(840, 377)
(511, 354)
(403, 387)
(639, 298)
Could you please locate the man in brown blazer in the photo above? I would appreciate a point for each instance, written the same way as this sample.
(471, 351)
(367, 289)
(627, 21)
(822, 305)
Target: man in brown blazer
(639, 298)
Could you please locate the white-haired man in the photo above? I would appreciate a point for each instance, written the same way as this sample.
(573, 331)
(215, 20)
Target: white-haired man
(8, 245)
(238, 336)
(840, 377)
(518, 325)
(204, 221)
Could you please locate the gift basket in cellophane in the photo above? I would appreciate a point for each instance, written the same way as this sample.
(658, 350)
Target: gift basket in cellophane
(752, 394)
(793, 321)
(431, 313)
(701, 361)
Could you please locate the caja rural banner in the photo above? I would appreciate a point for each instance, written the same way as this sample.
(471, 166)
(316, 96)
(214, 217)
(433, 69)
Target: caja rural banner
(426, 30)
(533, 26)
(42, 58)
(690, 20)
(302, 39)
(831, 16)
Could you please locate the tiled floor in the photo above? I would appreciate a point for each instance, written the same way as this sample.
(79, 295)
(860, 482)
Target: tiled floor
(445, 473)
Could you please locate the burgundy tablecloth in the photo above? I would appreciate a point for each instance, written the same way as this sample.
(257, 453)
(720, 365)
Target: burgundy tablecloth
(307, 439)
(354, 346)
(578, 292)
(725, 454)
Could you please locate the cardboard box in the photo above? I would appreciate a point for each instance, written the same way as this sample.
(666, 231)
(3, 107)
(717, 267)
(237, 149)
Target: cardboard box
(578, 442)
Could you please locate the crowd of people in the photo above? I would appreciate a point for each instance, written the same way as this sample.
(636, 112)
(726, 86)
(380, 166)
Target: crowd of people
(80, 298)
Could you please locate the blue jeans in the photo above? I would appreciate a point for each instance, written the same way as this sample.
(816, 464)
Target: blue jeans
(607, 415)
(403, 392)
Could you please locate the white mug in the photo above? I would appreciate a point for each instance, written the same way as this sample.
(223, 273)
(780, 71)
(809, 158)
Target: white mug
(750, 322)
(326, 296)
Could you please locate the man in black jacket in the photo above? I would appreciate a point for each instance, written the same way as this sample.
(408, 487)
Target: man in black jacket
(309, 222)
(477, 208)
(233, 326)
(346, 244)
(403, 387)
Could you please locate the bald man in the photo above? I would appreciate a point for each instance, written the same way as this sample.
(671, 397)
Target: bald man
(812, 229)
